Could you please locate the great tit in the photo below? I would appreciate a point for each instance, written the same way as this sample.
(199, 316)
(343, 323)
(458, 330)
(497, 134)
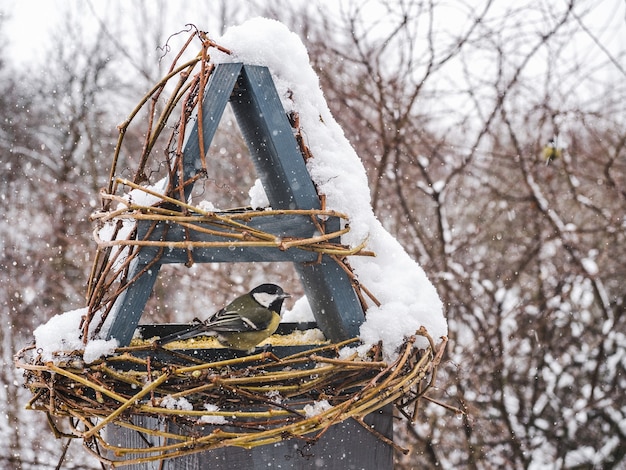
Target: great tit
(242, 324)
(551, 151)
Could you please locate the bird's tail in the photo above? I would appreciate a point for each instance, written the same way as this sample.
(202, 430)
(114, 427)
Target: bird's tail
(187, 333)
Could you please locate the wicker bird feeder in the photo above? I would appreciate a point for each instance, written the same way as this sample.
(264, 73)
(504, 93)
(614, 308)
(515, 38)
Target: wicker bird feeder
(197, 397)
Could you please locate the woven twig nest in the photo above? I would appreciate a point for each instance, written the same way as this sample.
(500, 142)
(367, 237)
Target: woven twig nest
(244, 401)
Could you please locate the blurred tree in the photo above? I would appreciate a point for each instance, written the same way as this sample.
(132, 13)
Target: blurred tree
(450, 115)
(54, 143)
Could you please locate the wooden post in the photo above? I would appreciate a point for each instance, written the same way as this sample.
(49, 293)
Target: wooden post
(344, 446)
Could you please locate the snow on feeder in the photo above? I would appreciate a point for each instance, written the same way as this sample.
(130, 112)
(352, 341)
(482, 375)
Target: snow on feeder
(379, 331)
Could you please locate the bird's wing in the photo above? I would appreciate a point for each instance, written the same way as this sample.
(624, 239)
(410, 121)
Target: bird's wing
(190, 332)
(235, 321)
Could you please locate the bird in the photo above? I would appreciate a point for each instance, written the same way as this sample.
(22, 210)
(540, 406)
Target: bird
(551, 151)
(243, 323)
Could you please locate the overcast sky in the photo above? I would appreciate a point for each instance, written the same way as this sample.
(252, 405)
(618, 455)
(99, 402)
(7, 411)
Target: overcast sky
(31, 23)
(28, 26)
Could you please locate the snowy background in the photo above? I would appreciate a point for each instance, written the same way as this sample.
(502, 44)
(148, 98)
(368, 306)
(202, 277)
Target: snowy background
(449, 107)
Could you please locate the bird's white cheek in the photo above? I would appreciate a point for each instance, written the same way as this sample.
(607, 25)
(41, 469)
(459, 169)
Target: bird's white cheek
(264, 299)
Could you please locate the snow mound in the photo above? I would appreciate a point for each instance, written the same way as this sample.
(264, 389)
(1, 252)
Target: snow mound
(62, 333)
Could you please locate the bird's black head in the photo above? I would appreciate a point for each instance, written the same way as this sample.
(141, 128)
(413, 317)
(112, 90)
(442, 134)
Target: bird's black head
(269, 296)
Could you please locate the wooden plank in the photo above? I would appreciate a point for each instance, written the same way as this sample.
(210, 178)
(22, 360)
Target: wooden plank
(217, 94)
(130, 304)
(282, 170)
(334, 304)
(269, 137)
(283, 226)
(235, 254)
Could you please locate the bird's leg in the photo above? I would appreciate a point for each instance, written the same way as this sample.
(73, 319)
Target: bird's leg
(265, 348)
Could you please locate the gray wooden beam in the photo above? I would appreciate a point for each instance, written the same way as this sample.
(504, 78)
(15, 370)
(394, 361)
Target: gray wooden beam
(281, 167)
(129, 305)
(217, 94)
(283, 226)
(269, 137)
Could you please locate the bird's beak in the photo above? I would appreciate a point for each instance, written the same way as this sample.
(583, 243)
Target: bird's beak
(285, 295)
